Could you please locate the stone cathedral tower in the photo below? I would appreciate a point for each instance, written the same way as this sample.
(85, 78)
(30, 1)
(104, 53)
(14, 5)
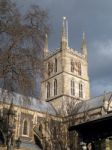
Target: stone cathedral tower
(66, 72)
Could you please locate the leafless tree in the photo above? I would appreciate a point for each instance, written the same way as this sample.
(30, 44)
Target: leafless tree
(73, 108)
(56, 132)
(59, 138)
(21, 44)
(77, 112)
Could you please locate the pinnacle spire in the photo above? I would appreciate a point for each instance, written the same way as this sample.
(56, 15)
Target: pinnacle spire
(64, 34)
(46, 45)
(84, 46)
(11, 108)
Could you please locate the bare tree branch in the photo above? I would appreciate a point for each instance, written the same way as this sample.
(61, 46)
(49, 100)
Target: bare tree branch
(21, 47)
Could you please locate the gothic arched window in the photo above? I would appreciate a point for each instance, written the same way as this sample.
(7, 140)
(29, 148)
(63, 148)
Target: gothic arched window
(49, 68)
(55, 65)
(72, 87)
(55, 87)
(79, 69)
(48, 90)
(72, 66)
(25, 127)
(80, 90)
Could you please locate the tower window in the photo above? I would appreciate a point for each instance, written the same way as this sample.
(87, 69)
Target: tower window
(72, 66)
(55, 87)
(80, 90)
(25, 127)
(55, 65)
(79, 69)
(49, 68)
(72, 87)
(48, 90)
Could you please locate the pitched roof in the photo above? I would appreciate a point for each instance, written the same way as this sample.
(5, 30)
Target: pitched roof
(28, 102)
(94, 103)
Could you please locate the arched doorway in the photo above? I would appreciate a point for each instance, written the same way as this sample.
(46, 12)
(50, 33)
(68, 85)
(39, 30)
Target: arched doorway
(2, 140)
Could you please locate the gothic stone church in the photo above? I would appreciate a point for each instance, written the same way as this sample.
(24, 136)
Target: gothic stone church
(65, 101)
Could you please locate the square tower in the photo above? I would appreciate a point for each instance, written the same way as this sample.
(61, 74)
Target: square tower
(66, 73)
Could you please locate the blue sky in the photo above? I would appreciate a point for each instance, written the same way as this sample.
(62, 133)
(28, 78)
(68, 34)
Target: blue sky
(95, 19)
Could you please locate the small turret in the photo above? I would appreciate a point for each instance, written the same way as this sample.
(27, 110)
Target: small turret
(106, 103)
(84, 46)
(46, 45)
(11, 109)
(64, 34)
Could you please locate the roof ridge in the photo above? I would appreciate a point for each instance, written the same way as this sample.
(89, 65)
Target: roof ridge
(99, 96)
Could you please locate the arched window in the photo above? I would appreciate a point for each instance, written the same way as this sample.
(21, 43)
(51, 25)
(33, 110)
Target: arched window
(80, 90)
(72, 87)
(25, 127)
(55, 65)
(79, 69)
(50, 68)
(72, 65)
(49, 71)
(48, 90)
(55, 87)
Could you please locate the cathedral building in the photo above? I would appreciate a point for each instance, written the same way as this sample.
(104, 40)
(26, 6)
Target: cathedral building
(44, 123)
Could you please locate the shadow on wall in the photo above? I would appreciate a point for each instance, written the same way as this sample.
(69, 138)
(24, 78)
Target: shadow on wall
(38, 142)
(2, 140)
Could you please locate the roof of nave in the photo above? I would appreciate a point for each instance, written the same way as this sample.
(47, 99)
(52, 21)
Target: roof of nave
(94, 103)
(28, 102)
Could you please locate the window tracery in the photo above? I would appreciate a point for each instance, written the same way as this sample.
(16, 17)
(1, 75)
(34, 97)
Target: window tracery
(48, 90)
(72, 66)
(72, 87)
(79, 69)
(25, 127)
(50, 68)
(55, 87)
(76, 66)
(55, 65)
(80, 90)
